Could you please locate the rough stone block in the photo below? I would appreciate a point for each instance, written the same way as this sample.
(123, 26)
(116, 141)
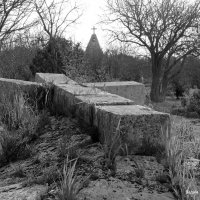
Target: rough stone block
(53, 78)
(86, 105)
(65, 99)
(128, 89)
(13, 85)
(104, 99)
(142, 129)
(81, 101)
(78, 90)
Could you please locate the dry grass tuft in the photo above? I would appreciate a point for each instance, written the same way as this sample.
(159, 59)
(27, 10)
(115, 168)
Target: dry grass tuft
(182, 148)
(69, 184)
(112, 147)
(13, 148)
(22, 124)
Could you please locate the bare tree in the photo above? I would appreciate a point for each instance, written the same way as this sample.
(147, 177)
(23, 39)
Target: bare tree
(14, 17)
(167, 29)
(56, 16)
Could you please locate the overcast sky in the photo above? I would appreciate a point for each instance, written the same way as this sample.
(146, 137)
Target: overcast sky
(92, 10)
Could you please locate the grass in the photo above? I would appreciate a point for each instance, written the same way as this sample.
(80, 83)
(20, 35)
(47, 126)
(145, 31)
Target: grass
(22, 124)
(12, 109)
(41, 97)
(112, 147)
(182, 146)
(69, 184)
(18, 171)
(13, 148)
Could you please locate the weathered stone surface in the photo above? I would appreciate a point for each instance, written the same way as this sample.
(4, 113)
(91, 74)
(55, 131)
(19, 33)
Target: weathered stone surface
(16, 85)
(115, 189)
(81, 101)
(86, 105)
(18, 192)
(128, 89)
(105, 99)
(53, 78)
(78, 90)
(65, 97)
(139, 126)
(126, 185)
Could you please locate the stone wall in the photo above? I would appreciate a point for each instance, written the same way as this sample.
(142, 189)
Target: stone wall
(139, 125)
(127, 89)
(80, 101)
(15, 85)
(53, 78)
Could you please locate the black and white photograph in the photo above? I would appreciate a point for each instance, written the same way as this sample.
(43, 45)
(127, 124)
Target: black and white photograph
(99, 99)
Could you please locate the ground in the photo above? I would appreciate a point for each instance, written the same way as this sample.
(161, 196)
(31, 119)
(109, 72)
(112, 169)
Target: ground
(171, 103)
(135, 177)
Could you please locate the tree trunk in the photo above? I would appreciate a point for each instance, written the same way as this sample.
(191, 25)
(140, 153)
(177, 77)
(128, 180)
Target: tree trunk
(158, 88)
(159, 81)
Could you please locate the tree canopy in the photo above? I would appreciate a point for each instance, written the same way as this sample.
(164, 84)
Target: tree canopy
(167, 29)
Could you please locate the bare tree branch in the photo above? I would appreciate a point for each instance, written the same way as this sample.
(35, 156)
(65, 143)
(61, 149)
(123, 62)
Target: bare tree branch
(14, 15)
(57, 16)
(166, 28)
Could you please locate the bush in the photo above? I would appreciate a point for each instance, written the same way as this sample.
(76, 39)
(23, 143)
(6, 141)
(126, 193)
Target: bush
(13, 109)
(190, 106)
(41, 97)
(22, 124)
(57, 53)
(178, 89)
(194, 103)
(13, 148)
(14, 62)
(178, 111)
(17, 114)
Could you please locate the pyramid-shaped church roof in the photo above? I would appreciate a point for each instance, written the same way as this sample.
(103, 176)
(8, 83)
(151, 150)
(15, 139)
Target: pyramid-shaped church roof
(93, 50)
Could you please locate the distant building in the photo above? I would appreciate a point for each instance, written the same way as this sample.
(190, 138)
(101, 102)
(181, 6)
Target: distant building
(94, 53)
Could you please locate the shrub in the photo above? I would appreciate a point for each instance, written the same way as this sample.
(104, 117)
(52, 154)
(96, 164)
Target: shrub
(22, 124)
(18, 115)
(178, 111)
(40, 98)
(178, 89)
(15, 61)
(48, 59)
(33, 125)
(18, 171)
(13, 148)
(14, 109)
(194, 103)
(58, 52)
